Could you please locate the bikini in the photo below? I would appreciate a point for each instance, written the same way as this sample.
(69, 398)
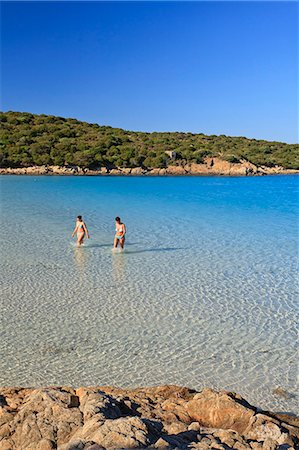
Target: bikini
(80, 228)
(120, 230)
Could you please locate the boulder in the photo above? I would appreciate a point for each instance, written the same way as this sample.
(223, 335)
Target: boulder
(196, 169)
(155, 171)
(115, 172)
(125, 432)
(220, 410)
(126, 170)
(45, 416)
(162, 171)
(137, 171)
(262, 427)
(218, 165)
(175, 170)
(96, 402)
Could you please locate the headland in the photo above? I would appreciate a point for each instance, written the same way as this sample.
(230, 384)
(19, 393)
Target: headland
(43, 144)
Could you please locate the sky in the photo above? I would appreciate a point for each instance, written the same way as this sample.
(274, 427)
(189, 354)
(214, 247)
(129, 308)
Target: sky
(203, 67)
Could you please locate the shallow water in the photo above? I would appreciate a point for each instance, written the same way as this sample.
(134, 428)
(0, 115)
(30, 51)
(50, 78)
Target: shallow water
(205, 293)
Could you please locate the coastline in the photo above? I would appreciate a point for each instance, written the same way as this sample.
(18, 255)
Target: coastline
(211, 166)
(162, 417)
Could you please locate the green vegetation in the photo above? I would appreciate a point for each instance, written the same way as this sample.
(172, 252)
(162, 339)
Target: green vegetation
(28, 139)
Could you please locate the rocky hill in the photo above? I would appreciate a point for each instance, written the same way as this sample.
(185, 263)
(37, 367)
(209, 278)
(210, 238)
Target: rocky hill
(28, 140)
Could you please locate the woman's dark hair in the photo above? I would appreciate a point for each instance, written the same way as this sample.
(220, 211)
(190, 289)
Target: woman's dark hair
(79, 217)
(117, 219)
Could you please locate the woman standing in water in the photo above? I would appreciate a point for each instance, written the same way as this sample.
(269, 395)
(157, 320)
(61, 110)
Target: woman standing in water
(120, 233)
(81, 230)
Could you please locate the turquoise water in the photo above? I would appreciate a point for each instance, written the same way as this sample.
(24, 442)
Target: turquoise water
(205, 293)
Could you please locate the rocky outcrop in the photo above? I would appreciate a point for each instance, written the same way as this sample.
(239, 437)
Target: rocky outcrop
(220, 410)
(176, 170)
(217, 166)
(211, 166)
(165, 417)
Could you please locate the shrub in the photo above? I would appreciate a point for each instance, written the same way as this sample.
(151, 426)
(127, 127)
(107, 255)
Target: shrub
(40, 139)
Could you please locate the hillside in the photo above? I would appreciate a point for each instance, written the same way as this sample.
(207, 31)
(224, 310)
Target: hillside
(29, 139)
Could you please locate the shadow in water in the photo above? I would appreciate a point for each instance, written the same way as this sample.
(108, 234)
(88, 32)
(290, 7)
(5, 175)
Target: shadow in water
(159, 249)
(88, 245)
(95, 245)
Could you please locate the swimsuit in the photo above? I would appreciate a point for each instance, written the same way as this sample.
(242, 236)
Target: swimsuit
(121, 230)
(80, 228)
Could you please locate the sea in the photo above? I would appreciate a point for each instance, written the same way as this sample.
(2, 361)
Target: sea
(205, 293)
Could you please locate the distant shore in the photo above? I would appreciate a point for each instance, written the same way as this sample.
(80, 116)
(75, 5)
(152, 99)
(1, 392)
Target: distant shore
(163, 417)
(212, 166)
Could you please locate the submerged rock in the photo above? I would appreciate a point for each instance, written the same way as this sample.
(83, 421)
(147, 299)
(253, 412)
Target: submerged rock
(164, 417)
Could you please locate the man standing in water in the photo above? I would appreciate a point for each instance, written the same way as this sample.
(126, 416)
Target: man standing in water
(120, 233)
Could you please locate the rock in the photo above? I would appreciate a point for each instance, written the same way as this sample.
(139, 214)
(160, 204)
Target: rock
(126, 171)
(195, 426)
(228, 437)
(175, 428)
(262, 427)
(220, 410)
(276, 170)
(6, 445)
(126, 432)
(217, 166)
(74, 444)
(93, 172)
(177, 407)
(240, 446)
(175, 170)
(210, 166)
(162, 172)
(45, 444)
(137, 171)
(5, 430)
(95, 402)
(93, 447)
(167, 417)
(45, 415)
(269, 444)
(154, 172)
(37, 170)
(161, 444)
(222, 167)
(196, 169)
(256, 445)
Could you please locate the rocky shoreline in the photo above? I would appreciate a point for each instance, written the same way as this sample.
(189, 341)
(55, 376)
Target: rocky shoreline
(164, 417)
(211, 166)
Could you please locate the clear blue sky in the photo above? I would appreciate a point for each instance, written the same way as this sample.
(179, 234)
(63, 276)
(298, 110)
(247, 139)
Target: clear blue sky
(212, 67)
